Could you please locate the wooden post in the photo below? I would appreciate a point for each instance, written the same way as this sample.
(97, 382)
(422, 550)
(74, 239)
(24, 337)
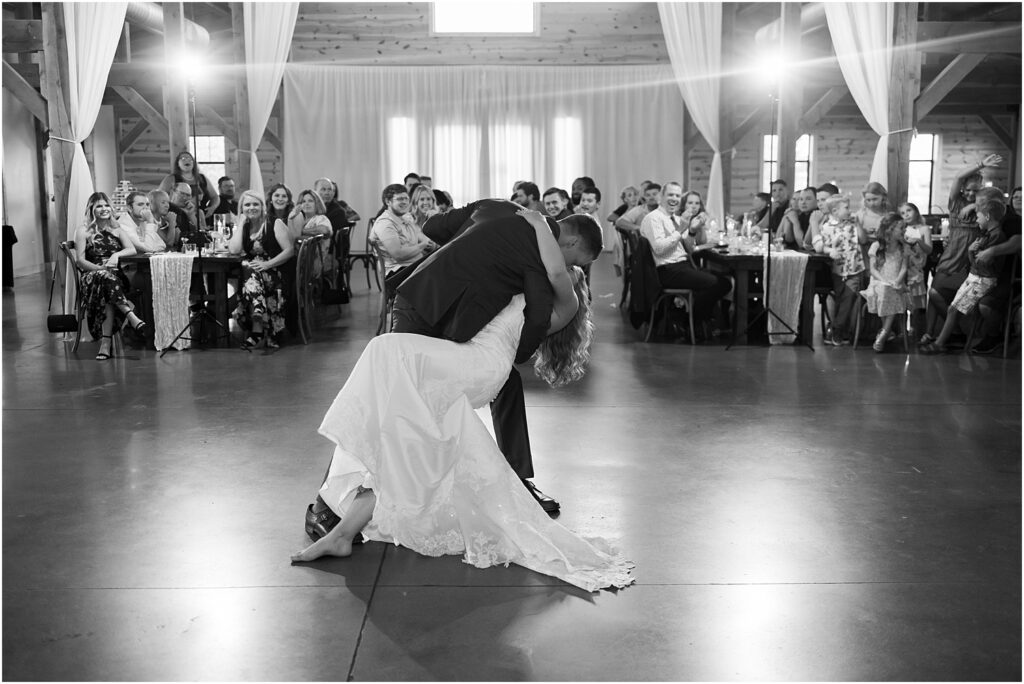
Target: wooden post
(686, 146)
(241, 98)
(791, 93)
(55, 80)
(725, 105)
(176, 84)
(904, 87)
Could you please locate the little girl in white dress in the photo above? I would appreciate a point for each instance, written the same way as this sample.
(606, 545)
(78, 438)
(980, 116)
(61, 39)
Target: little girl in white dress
(886, 294)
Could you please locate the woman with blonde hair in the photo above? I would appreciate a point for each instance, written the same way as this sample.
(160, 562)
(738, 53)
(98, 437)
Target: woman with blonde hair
(424, 205)
(99, 242)
(266, 248)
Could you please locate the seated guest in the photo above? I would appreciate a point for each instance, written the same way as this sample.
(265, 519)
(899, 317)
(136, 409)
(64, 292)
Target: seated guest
(266, 248)
(778, 208)
(795, 224)
(992, 306)
(309, 217)
(99, 242)
(954, 263)
(842, 238)
(985, 265)
(166, 222)
(694, 216)
(427, 181)
(339, 213)
(556, 203)
(443, 201)
(395, 233)
(228, 204)
(410, 181)
(527, 195)
(139, 226)
(874, 206)
(632, 218)
(184, 209)
(672, 243)
(825, 191)
(577, 191)
(423, 206)
(762, 203)
(630, 197)
(279, 203)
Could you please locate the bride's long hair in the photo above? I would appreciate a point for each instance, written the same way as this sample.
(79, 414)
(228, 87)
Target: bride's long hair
(562, 357)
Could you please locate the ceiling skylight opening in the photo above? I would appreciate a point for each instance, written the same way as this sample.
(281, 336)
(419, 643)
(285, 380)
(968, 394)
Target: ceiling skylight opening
(498, 17)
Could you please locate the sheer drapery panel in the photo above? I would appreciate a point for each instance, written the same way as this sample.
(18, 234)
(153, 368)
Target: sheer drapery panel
(476, 130)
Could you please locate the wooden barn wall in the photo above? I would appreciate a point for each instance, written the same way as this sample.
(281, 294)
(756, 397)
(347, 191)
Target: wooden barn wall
(146, 163)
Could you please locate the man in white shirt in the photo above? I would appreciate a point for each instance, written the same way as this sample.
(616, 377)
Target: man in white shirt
(395, 231)
(590, 205)
(138, 224)
(672, 245)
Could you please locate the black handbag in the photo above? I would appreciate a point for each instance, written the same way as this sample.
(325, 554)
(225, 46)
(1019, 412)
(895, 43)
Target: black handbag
(62, 322)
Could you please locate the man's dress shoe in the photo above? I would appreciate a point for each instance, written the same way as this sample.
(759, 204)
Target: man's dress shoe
(549, 505)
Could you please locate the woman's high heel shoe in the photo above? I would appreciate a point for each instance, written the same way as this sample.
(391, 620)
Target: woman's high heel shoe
(139, 328)
(102, 355)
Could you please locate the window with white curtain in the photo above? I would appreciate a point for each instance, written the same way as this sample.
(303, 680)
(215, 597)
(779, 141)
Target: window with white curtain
(770, 162)
(457, 160)
(210, 155)
(567, 150)
(923, 153)
(511, 156)
(401, 147)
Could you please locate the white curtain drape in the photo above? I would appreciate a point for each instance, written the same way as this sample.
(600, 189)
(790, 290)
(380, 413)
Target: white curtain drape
(693, 37)
(477, 130)
(92, 30)
(862, 34)
(268, 30)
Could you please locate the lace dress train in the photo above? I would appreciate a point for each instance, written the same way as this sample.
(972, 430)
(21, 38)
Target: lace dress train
(405, 426)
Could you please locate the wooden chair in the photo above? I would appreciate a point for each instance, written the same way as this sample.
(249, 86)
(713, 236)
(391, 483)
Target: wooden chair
(387, 295)
(629, 239)
(1012, 306)
(308, 280)
(667, 296)
(362, 254)
(67, 248)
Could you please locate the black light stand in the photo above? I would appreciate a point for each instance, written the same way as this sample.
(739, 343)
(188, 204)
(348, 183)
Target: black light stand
(766, 285)
(200, 312)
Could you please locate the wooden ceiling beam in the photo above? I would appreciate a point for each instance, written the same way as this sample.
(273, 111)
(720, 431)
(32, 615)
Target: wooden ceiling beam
(820, 108)
(1004, 136)
(22, 35)
(25, 93)
(142, 107)
(211, 116)
(944, 83)
(962, 37)
(125, 143)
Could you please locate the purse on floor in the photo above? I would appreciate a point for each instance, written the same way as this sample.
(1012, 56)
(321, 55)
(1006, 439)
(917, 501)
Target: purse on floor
(62, 322)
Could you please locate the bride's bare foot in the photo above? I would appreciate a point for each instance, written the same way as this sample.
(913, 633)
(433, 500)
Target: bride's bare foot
(330, 545)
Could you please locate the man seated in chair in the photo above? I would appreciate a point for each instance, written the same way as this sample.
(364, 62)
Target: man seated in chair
(395, 233)
(672, 245)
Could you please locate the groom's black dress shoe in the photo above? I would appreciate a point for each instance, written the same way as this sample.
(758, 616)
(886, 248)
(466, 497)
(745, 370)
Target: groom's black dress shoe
(319, 524)
(549, 505)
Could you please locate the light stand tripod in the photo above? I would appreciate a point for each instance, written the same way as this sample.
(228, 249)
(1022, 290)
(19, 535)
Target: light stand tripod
(200, 313)
(766, 285)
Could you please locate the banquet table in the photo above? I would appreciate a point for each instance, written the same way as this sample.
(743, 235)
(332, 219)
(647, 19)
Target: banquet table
(741, 265)
(217, 269)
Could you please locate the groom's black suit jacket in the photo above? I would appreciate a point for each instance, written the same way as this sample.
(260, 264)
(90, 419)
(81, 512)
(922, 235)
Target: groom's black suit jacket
(488, 255)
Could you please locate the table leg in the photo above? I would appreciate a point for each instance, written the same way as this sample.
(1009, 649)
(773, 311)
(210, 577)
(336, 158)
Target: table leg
(219, 281)
(741, 303)
(807, 308)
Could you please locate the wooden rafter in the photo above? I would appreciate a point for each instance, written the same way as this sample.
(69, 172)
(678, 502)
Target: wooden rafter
(142, 107)
(25, 93)
(820, 108)
(962, 37)
(125, 143)
(22, 35)
(211, 116)
(941, 86)
(1004, 136)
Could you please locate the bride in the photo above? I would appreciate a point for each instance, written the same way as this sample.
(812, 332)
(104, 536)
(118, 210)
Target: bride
(414, 465)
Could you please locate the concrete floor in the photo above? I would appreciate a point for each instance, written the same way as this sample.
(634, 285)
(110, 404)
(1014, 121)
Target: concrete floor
(793, 515)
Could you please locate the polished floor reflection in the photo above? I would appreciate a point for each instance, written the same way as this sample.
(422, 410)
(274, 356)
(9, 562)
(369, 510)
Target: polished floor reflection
(793, 515)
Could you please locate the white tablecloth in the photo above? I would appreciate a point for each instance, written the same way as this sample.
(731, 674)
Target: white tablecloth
(172, 276)
(786, 290)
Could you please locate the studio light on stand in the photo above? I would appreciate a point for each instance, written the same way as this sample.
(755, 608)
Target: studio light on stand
(190, 69)
(773, 67)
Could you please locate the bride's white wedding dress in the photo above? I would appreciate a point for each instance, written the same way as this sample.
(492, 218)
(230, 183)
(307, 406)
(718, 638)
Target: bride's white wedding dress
(405, 427)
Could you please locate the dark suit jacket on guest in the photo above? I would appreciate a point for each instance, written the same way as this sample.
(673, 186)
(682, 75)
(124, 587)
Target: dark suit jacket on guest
(489, 255)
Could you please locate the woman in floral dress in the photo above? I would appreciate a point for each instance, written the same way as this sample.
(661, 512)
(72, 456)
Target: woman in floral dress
(260, 311)
(99, 242)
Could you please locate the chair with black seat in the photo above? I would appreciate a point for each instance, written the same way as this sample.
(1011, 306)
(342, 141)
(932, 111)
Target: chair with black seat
(1012, 300)
(67, 248)
(387, 294)
(648, 294)
(629, 239)
(309, 255)
(363, 254)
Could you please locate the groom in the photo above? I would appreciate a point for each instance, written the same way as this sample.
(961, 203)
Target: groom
(488, 255)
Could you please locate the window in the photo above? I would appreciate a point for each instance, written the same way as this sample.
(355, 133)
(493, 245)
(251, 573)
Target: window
(567, 149)
(401, 147)
(209, 154)
(458, 168)
(923, 151)
(511, 156)
(770, 162)
(483, 17)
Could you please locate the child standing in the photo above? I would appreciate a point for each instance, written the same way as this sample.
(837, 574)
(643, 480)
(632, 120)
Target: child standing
(918, 237)
(983, 271)
(886, 294)
(841, 237)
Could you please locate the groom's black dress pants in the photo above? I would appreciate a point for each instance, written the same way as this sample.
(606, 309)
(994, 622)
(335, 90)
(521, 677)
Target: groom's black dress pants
(508, 410)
